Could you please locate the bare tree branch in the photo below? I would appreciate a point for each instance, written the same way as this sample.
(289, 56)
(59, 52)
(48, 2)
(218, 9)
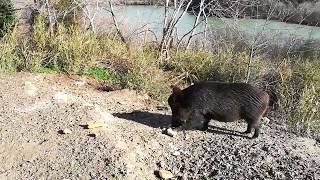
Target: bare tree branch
(116, 23)
(196, 23)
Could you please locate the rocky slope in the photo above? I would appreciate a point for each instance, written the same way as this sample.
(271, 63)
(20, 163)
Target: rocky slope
(35, 108)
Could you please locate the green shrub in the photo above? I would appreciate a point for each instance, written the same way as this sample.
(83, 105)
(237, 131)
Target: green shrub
(7, 17)
(127, 80)
(9, 59)
(99, 73)
(48, 70)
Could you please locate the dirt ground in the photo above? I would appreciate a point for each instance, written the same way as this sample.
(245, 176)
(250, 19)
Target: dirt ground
(34, 108)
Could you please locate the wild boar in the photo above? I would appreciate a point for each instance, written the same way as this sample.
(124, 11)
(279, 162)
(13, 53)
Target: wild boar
(194, 106)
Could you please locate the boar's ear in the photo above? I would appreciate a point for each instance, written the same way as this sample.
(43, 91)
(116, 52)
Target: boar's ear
(175, 90)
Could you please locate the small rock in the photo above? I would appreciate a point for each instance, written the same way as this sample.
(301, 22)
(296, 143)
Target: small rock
(265, 120)
(170, 132)
(186, 137)
(172, 146)
(61, 97)
(80, 82)
(30, 89)
(266, 148)
(161, 108)
(121, 103)
(176, 153)
(93, 125)
(161, 164)
(92, 135)
(228, 166)
(165, 174)
(67, 131)
(187, 153)
(3, 176)
(279, 175)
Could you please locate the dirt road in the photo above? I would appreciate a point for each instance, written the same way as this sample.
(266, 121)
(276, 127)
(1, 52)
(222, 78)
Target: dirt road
(34, 108)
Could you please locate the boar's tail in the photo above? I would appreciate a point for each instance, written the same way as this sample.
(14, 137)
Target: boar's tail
(273, 100)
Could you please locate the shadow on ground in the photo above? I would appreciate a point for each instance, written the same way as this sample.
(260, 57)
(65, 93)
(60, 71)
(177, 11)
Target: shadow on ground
(220, 130)
(155, 120)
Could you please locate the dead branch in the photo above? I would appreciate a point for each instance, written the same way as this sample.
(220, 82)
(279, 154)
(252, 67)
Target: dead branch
(170, 25)
(47, 5)
(90, 16)
(116, 23)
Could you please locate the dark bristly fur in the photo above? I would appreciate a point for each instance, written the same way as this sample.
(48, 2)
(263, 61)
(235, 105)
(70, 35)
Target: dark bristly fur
(194, 106)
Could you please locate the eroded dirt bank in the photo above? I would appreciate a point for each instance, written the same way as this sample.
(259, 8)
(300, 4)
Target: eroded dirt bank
(35, 107)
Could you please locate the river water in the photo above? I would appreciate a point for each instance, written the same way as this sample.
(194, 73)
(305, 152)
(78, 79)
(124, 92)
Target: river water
(137, 18)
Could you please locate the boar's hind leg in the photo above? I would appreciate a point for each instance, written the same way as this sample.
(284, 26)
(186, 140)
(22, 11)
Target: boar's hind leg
(253, 123)
(249, 128)
(256, 126)
(206, 123)
(256, 132)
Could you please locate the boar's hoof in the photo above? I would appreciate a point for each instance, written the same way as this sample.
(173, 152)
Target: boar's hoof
(248, 131)
(255, 135)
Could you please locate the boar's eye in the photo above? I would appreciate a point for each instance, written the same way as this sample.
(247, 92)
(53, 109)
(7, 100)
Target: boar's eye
(172, 101)
(175, 90)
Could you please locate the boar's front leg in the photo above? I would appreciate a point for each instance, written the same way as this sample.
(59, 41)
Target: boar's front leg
(249, 128)
(197, 120)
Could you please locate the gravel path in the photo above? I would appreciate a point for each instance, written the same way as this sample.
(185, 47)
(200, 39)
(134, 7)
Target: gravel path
(35, 108)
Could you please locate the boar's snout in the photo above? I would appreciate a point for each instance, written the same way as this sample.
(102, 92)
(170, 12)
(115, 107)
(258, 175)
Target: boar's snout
(175, 121)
